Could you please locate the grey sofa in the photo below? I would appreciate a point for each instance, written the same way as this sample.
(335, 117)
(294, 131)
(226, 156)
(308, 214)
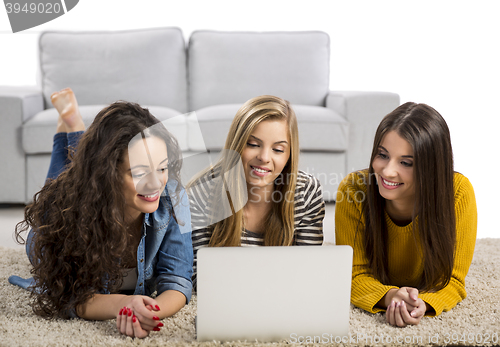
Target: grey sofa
(213, 75)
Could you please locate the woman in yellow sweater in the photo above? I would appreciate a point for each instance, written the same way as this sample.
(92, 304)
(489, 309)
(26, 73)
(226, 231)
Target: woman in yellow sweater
(410, 219)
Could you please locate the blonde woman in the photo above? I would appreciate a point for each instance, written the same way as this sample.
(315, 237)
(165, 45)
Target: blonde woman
(271, 202)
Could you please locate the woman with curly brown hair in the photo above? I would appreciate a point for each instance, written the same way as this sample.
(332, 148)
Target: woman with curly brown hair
(111, 226)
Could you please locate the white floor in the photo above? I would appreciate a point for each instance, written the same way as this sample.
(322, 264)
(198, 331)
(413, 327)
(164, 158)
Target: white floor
(11, 215)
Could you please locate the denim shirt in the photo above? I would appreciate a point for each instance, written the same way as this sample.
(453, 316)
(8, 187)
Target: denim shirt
(165, 252)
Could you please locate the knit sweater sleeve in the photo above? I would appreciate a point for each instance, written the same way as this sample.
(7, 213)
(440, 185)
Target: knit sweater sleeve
(366, 291)
(466, 221)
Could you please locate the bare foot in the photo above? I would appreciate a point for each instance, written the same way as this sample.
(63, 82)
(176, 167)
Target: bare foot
(65, 103)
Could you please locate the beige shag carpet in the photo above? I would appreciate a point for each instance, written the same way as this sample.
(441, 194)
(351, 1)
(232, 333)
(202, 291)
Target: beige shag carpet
(475, 321)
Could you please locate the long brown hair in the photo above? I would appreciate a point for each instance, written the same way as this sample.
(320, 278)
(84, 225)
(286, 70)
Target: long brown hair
(280, 220)
(78, 218)
(434, 215)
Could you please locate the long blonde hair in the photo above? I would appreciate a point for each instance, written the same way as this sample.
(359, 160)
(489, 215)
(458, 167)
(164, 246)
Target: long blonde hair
(280, 220)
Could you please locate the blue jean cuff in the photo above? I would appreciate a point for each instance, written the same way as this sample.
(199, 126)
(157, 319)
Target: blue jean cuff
(25, 283)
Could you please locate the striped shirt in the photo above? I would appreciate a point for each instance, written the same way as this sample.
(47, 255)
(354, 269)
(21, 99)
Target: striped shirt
(309, 213)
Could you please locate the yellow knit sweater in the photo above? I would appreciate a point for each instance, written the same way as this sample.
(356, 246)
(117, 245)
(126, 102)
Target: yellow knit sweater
(405, 260)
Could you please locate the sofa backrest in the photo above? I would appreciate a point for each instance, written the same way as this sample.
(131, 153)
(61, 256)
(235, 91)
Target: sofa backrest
(144, 66)
(232, 67)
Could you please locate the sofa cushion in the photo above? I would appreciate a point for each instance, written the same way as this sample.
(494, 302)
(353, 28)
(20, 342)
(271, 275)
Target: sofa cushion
(232, 67)
(38, 132)
(143, 66)
(175, 123)
(320, 129)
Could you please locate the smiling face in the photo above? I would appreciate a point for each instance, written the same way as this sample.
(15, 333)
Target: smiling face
(145, 170)
(266, 152)
(393, 167)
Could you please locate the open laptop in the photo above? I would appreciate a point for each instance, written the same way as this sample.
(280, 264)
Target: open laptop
(295, 293)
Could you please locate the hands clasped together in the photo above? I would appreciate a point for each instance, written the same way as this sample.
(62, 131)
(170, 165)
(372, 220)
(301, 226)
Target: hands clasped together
(138, 317)
(404, 307)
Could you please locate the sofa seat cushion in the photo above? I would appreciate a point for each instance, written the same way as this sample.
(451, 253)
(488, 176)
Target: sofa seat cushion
(147, 66)
(232, 67)
(320, 129)
(38, 132)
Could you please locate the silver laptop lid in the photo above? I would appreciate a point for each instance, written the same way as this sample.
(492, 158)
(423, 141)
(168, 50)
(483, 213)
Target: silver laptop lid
(273, 293)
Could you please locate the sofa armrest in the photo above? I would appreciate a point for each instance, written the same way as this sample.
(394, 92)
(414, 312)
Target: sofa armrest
(363, 111)
(17, 105)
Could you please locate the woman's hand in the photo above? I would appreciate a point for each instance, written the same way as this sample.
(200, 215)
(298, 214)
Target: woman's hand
(398, 313)
(128, 324)
(137, 318)
(405, 307)
(407, 294)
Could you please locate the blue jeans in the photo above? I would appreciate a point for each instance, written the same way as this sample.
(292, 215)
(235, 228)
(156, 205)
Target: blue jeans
(59, 160)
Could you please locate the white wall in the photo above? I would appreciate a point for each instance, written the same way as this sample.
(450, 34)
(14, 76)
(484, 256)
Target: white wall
(443, 53)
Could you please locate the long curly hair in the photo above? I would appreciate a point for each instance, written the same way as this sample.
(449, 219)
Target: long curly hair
(78, 218)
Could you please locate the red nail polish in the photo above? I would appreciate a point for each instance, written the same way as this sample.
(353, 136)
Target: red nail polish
(121, 311)
(129, 312)
(157, 307)
(159, 325)
(156, 329)
(134, 319)
(156, 318)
